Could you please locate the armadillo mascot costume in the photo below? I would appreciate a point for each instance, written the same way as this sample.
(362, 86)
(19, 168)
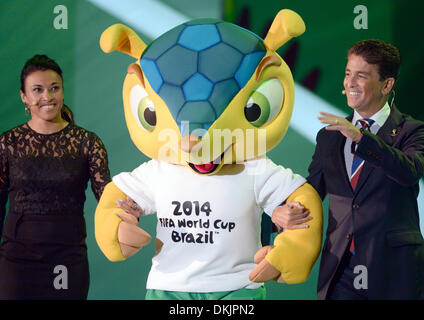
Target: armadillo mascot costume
(206, 101)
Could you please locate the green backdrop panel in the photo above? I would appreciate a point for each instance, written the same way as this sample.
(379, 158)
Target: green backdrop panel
(93, 89)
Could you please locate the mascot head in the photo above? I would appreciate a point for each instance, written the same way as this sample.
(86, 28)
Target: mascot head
(207, 93)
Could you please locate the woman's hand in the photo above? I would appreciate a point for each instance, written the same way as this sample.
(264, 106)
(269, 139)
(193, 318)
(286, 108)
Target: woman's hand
(131, 237)
(131, 208)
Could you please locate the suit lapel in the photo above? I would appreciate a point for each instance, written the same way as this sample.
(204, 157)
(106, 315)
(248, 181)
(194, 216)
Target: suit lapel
(340, 161)
(387, 133)
(391, 129)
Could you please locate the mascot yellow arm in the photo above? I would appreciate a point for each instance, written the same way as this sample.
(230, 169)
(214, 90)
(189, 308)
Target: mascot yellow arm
(296, 251)
(106, 222)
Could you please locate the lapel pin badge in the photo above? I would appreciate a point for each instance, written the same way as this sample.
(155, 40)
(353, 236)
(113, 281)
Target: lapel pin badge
(394, 132)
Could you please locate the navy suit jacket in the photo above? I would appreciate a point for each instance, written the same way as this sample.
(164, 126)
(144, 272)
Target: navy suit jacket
(382, 214)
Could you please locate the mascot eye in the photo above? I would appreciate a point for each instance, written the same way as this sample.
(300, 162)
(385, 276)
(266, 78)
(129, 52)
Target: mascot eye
(143, 108)
(264, 103)
(147, 113)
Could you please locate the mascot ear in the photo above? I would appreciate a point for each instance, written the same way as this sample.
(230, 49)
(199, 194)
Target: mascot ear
(122, 38)
(286, 25)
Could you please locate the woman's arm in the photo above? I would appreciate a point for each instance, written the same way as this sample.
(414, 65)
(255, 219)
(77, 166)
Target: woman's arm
(4, 181)
(98, 166)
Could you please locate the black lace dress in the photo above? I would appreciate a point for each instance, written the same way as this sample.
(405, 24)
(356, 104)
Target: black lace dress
(43, 254)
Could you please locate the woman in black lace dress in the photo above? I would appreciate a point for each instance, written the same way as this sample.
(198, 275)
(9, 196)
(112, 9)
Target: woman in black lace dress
(45, 165)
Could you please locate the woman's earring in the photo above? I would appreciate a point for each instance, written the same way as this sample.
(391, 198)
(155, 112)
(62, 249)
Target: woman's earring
(27, 113)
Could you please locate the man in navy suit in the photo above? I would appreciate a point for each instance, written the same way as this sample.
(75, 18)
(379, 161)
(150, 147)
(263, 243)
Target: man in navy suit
(370, 164)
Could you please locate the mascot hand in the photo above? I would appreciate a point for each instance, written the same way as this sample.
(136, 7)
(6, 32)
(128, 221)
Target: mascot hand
(264, 271)
(131, 238)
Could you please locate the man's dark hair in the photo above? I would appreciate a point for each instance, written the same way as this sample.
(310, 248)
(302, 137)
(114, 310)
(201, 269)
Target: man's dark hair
(39, 62)
(383, 54)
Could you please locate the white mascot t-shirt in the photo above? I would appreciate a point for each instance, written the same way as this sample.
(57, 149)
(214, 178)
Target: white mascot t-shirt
(209, 225)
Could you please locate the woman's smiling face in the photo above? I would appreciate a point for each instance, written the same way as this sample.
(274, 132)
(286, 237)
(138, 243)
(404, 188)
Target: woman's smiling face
(44, 95)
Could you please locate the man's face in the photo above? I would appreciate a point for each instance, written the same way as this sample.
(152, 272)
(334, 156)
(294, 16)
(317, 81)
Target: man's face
(364, 90)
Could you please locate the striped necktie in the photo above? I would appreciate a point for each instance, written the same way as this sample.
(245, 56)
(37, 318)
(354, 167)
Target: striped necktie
(357, 162)
(357, 165)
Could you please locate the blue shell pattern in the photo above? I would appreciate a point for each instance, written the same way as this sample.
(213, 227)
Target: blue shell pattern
(198, 67)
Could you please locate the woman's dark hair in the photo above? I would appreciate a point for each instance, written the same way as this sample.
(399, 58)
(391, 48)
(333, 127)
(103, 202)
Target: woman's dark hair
(43, 63)
(383, 54)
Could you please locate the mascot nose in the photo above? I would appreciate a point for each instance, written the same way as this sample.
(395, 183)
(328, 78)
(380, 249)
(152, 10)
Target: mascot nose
(190, 142)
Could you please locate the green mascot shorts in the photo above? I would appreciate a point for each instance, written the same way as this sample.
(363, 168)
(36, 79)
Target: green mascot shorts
(242, 294)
